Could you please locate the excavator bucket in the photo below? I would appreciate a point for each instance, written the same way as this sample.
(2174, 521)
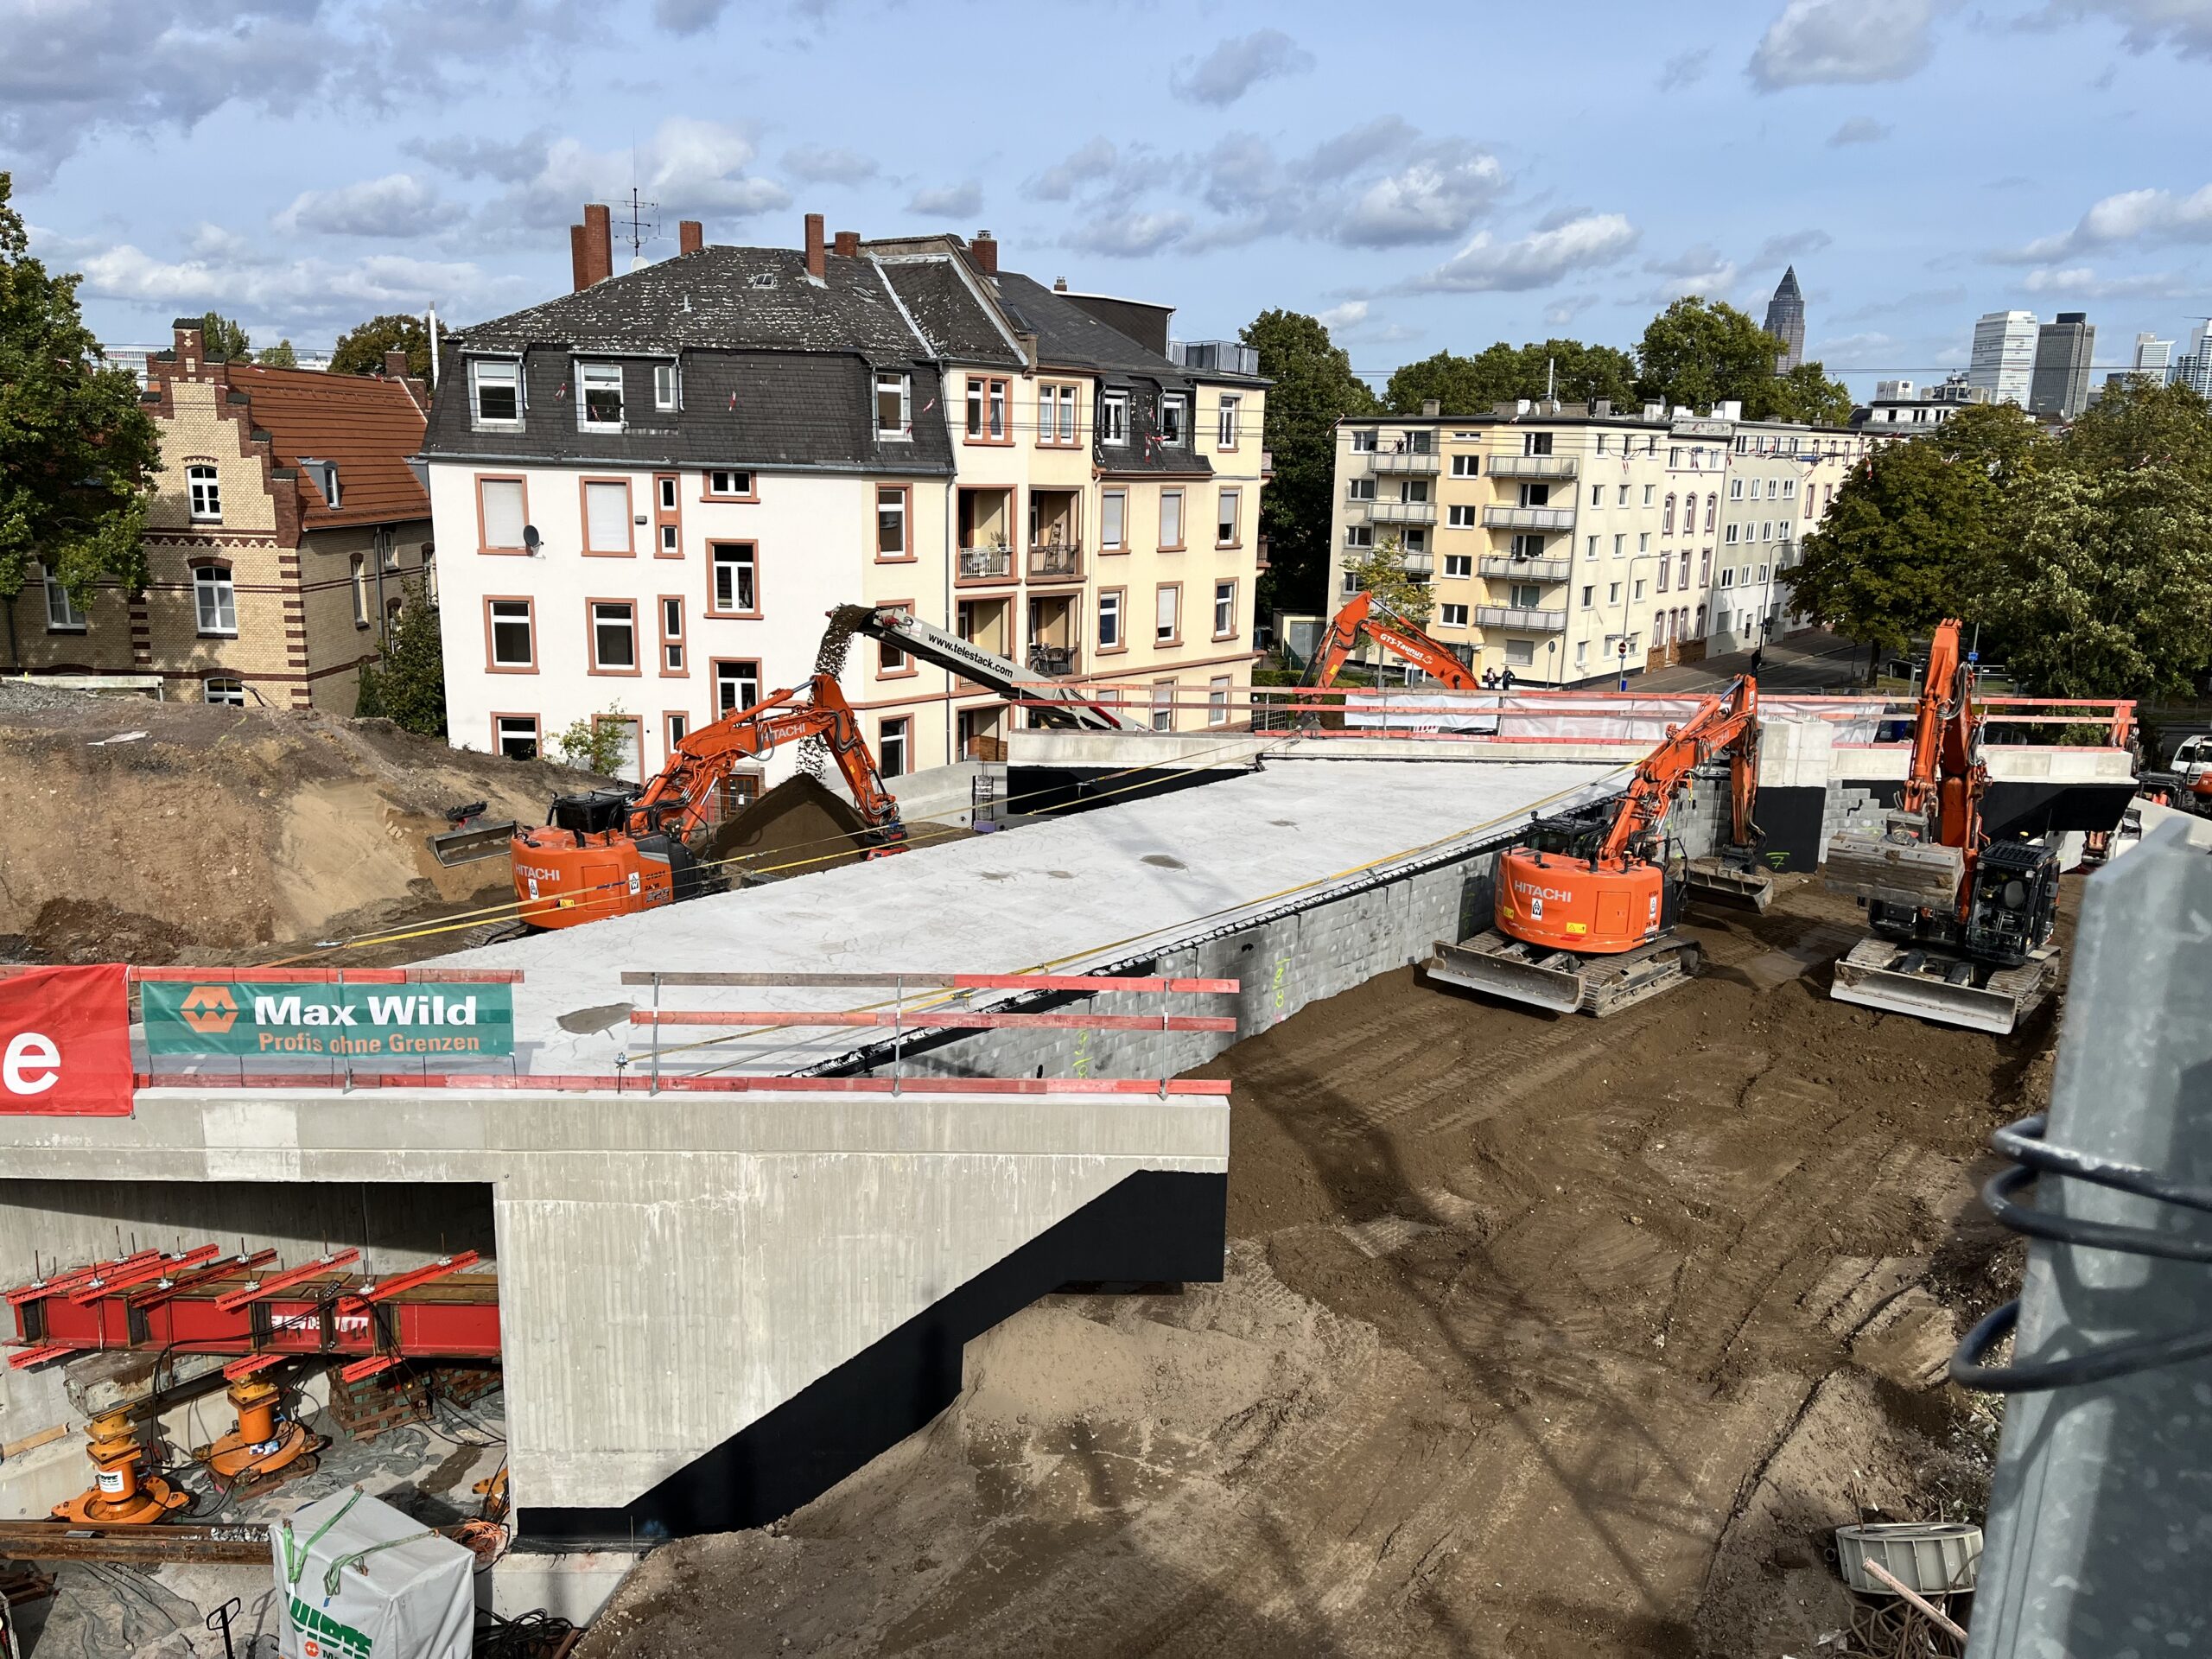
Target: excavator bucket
(1744, 889)
(1505, 967)
(477, 839)
(1891, 869)
(1943, 987)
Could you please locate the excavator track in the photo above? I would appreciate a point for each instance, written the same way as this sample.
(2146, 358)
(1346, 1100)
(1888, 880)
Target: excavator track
(1930, 982)
(1562, 981)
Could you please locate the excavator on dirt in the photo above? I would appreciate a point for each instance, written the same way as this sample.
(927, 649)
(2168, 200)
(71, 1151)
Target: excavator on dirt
(1587, 908)
(1961, 925)
(1365, 615)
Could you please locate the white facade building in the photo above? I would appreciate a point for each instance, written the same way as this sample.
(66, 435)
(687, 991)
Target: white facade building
(2004, 359)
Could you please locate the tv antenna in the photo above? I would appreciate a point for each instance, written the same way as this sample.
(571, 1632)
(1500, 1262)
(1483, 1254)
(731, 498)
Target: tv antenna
(645, 224)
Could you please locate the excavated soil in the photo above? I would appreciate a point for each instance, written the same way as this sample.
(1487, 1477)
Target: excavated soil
(797, 828)
(1539, 1336)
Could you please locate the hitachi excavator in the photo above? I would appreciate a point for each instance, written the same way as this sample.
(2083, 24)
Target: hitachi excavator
(1365, 615)
(1586, 909)
(1961, 925)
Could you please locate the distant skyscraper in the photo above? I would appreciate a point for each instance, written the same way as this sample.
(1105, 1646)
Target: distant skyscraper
(2193, 368)
(2003, 355)
(2061, 386)
(2154, 357)
(1785, 321)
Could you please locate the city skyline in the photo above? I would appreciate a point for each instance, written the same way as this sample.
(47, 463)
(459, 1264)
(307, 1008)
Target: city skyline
(231, 156)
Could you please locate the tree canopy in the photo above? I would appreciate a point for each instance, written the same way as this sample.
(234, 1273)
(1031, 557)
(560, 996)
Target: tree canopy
(220, 337)
(77, 452)
(1502, 373)
(1314, 388)
(1698, 352)
(279, 356)
(1381, 571)
(409, 687)
(360, 351)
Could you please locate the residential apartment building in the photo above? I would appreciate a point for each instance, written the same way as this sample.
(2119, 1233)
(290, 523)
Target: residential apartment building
(1782, 480)
(666, 479)
(283, 531)
(1571, 545)
(2003, 355)
(1899, 403)
(2060, 388)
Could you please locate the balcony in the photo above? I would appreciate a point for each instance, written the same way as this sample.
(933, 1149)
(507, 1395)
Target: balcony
(1055, 561)
(1402, 513)
(1528, 518)
(1532, 467)
(985, 564)
(1503, 564)
(1419, 566)
(1519, 621)
(1415, 463)
(1061, 662)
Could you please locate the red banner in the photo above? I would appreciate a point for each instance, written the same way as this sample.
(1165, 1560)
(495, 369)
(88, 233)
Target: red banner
(65, 1042)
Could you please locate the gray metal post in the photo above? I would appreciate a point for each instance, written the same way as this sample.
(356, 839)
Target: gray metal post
(2099, 1534)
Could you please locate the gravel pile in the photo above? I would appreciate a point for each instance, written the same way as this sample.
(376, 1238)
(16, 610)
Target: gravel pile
(20, 693)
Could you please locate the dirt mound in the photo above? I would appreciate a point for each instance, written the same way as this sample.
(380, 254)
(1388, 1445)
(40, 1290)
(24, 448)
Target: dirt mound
(178, 832)
(798, 826)
(1544, 1337)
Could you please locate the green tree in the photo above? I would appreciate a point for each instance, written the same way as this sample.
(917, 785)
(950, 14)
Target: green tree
(1698, 353)
(279, 356)
(77, 454)
(1314, 388)
(360, 351)
(224, 338)
(1575, 373)
(1381, 571)
(598, 743)
(2140, 423)
(409, 686)
(1807, 394)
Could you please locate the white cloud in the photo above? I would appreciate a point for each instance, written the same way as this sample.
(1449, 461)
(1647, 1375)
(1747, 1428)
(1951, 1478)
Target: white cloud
(1090, 165)
(296, 296)
(687, 16)
(2082, 282)
(1840, 352)
(1433, 199)
(2185, 26)
(1698, 269)
(1796, 244)
(1350, 314)
(507, 161)
(1130, 235)
(397, 204)
(962, 201)
(1824, 42)
(2144, 216)
(1488, 265)
(1685, 68)
(1859, 130)
(693, 168)
(826, 164)
(1236, 66)
(1564, 311)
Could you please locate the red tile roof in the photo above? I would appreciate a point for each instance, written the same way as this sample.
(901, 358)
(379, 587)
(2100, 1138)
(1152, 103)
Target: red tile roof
(367, 424)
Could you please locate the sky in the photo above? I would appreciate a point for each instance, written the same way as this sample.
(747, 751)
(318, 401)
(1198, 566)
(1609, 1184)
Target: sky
(1422, 178)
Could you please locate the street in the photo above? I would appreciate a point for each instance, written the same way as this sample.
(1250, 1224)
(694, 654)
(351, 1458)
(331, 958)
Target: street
(1805, 663)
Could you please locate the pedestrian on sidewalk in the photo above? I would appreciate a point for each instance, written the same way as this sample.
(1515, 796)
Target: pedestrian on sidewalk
(1490, 679)
(1506, 679)
(1758, 658)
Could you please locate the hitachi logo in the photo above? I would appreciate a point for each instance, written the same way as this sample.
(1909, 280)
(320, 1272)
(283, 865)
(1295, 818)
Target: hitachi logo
(1530, 890)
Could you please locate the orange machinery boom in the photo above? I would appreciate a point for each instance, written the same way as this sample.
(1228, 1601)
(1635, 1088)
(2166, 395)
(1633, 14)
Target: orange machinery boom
(1947, 774)
(1607, 898)
(609, 855)
(1365, 614)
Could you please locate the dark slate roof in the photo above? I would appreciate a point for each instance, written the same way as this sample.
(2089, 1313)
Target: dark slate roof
(953, 321)
(714, 298)
(1070, 338)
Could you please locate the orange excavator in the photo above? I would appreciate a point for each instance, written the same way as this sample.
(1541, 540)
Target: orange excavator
(1365, 614)
(1961, 924)
(613, 852)
(1586, 909)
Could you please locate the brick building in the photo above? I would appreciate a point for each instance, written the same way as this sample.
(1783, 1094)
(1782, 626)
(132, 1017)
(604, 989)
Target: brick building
(283, 526)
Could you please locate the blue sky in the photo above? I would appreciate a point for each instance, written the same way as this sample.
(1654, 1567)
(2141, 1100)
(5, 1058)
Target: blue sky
(1423, 177)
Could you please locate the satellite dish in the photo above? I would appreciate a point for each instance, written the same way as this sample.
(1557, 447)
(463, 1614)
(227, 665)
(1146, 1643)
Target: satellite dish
(531, 538)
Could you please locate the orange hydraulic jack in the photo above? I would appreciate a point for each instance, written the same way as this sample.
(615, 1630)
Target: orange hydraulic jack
(260, 1445)
(122, 1494)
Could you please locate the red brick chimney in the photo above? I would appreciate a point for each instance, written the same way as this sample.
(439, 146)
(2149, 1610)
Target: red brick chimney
(984, 250)
(847, 243)
(394, 366)
(599, 243)
(816, 267)
(579, 259)
(690, 236)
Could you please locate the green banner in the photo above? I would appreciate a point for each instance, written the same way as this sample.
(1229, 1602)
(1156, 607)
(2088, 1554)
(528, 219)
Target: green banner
(405, 1022)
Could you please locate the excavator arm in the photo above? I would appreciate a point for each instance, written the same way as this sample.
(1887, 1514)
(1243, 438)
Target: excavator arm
(1055, 702)
(1947, 770)
(1363, 614)
(1727, 723)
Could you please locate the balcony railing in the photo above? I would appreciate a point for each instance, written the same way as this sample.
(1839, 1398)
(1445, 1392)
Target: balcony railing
(1419, 566)
(1402, 513)
(985, 564)
(1055, 561)
(1417, 462)
(1528, 518)
(1505, 564)
(1061, 662)
(1522, 621)
(1532, 467)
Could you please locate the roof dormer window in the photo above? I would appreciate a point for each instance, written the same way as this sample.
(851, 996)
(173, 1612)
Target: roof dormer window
(495, 393)
(599, 397)
(323, 475)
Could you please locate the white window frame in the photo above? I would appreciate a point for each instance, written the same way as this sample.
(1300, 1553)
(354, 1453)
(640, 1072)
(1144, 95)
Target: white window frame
(232, 695)
(1181, 529)
(1363, 440)
(1109, 620)
(62, 615)
(597, 376)
(885, 380)
(497, 371)
(1467, 466)
(204, 494)
(358, 575)
(744, 564)
(1230, 427)
(1224, 609)
(215, 601)
(1114, 418)
(629, 609)
(1459, 564)
(1359, 489)
(1227, 517)
(506, 726)
(671, 639)
(895, 744)
(1360, 538)
(733, 474)
(891, 503)
(527, 619)
(1217, 690)
(1114, 521)
(1461, 516)
(1452, 616)
(745, 689)
(1168, 604)
(1163, 706)
(1175, 413)
(599, 489)
(665, 392)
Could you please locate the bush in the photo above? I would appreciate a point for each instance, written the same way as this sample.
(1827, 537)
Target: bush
(595, 744)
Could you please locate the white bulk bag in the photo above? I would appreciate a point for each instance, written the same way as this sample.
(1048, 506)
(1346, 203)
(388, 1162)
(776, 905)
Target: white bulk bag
(358, 1579)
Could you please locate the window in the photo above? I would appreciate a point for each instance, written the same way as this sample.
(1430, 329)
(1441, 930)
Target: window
(1163, 706)
(894, 401)
(1622, 502)
(1459, 564)
(1535, 443)
(224, 690)
(1359, 536)
(1352, 584)
(1590, 552)
(359, 576)
(671, 545)
(214, 599)
(387, 549)
(1643, 541)
(1524, 595)
(734, 591)
(513, 632)
(1704, 568)
(890, 661)
(675, 728)
(671, 634)
(1218, 700)
(1232, 421)
(607, 515)
(1360, 489)
(1789, 487)
(1168, 613)
(891, 745)
(663, 386)
(515, 735)
(1466, 466)
(1601, 443)
(1665, 574)
(728, 483)
(599, 397)
(496, 390)
(62, 615)
(987, 404)
(1455, 616)
(1639, 592)
(1647, 493)
(1728, 577)
(1773, 489)
(1362, 440)
(1225, 530)
(1735, 489)
(1114, 417)
(1612, 593)
(1597, 495)
(1712, 507)
(1416, 489)
(891, 522)
(1062, 428)
(1763, 572)
(1667, 517)
(1171, 520)
(613, 636)
(737, 685)
(1581, 652)
(665, 491)
(1416, 541)
(1521, 653)
(1728, 535)
(1536, 495)
(1113, 512)
(1620, 545)
(206, 493)
(1109, 620)
(1174, 419)
(1224, 610)
(1673, 458)
(499, 515)
(1589, 593)
(1684, 580)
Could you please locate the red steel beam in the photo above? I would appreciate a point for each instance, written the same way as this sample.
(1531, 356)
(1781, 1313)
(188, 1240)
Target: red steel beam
(250, 1364)
(235, 1299)
(369, 1367)
(23, 1358)
(933, 1020)
(385, 1290)
(109, 1284)
(330, 976)
(229, 1266)
(73, 1277)
(932, 981)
